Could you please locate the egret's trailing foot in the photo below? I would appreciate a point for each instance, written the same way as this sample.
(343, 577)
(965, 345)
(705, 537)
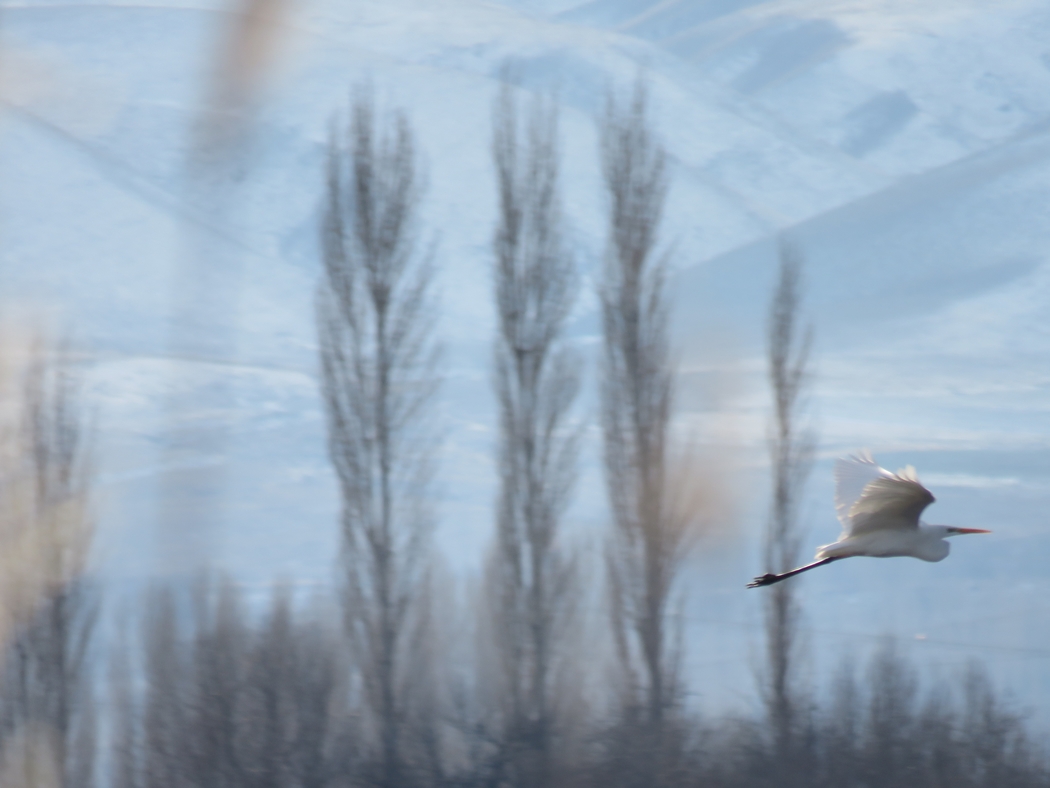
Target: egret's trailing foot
(764, 580)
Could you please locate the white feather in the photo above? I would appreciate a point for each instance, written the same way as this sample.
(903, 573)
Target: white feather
(869, 498)
(852, 475)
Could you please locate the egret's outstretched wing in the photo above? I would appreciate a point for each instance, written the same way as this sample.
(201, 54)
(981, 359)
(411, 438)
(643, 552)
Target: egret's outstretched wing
(890, 501)
(868, 497)
(852, 475)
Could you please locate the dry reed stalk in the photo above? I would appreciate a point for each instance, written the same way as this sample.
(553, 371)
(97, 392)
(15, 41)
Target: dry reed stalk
(45, 525)
(245, 54)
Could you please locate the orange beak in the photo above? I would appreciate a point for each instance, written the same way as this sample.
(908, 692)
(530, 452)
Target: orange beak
(971, 531)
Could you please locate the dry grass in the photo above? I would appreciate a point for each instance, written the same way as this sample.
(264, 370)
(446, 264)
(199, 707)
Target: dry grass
(45, 521)
(29, 760)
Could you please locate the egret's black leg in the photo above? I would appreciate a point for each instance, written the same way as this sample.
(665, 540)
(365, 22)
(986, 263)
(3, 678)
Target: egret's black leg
(768, 579)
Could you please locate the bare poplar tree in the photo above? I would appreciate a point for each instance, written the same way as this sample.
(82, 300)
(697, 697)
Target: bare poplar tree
(47, 692)
(791, 446)
(377, 357)
(650, 534)
(537, 380)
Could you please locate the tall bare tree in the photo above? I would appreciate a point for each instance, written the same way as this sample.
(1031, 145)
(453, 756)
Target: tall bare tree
(537, 380)
(651, 533)
(377, 357)
(46, 700)
(791, 446)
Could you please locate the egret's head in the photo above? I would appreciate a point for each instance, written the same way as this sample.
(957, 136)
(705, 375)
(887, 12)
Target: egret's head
(951, 530)
(934, 547)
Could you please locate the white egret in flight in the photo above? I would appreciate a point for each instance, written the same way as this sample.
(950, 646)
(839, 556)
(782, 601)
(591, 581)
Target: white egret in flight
(879, 512)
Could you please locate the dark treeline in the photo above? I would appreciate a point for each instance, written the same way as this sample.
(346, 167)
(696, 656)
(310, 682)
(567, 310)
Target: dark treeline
(273, 699)
(879, 727)
(220, 698)
(269, 700)
(536, 679)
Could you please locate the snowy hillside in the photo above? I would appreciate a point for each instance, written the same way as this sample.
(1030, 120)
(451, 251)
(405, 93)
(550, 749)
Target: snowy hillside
(899, 86)
(904, 145)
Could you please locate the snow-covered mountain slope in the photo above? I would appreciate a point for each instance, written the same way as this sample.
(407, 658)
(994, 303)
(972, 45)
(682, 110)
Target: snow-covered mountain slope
(103, 220)
(929, 300)
(902, 145)
(900, 86)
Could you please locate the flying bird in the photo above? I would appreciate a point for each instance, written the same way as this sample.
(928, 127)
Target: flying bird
(879, 512)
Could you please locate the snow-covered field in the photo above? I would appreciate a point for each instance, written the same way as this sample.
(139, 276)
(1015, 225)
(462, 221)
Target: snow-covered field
(903, 144)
